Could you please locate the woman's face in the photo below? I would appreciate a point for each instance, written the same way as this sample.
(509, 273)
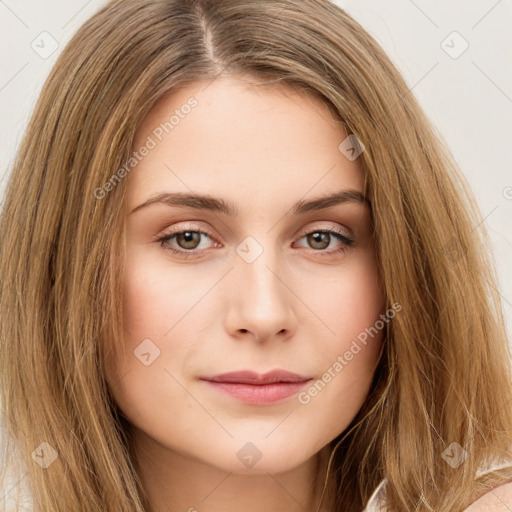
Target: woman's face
(246, 279)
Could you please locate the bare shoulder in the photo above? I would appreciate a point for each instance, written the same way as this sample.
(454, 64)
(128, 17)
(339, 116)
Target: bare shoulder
(498, 499)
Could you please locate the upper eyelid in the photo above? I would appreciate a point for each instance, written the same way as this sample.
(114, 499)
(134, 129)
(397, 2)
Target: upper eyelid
(191, 227)
(336, 227)
(303, 232)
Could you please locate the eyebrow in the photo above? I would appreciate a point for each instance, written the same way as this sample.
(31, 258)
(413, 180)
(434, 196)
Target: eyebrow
(214, 204)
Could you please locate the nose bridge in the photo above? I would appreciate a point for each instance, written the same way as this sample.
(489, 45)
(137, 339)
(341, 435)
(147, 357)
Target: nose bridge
(260, 298)
(257, 264)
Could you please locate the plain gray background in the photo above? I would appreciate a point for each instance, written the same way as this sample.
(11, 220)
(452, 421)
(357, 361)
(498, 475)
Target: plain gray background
(454, 55)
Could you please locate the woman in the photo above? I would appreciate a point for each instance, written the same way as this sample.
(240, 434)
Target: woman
(245, 275)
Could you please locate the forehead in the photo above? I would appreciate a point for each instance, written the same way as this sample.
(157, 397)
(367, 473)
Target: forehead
(231, 136)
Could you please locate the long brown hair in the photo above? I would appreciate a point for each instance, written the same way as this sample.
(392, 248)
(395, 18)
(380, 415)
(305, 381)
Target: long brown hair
(445, 374)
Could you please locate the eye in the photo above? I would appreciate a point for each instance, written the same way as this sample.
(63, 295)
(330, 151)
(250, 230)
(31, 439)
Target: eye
(321, 239)
(188, 241)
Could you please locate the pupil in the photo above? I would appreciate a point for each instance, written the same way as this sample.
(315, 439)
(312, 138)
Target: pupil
(188, 238)
(317, 238)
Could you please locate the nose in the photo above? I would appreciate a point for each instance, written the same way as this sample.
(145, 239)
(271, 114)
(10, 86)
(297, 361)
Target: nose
(260, 301)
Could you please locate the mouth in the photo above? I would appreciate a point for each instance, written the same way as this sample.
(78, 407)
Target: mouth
(258, 389)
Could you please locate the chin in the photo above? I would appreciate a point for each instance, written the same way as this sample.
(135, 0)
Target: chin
(259, 456)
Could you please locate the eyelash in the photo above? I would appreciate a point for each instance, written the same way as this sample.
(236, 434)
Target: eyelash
(347, 241)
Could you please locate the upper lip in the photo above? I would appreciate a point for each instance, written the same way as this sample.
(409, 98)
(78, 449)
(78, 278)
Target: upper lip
(250, 377)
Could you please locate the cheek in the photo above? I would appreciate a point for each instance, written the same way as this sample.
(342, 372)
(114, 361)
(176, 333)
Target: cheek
(347, 300)
(143, 304)
(154, 299)
(349, 306)
(153, 304)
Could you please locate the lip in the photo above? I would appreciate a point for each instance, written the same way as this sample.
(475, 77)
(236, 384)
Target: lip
(258, 389)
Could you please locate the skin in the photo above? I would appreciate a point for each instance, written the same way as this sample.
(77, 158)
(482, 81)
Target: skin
(294, 307)
(498, 499)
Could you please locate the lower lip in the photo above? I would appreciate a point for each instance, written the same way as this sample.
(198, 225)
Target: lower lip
(259, 394)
